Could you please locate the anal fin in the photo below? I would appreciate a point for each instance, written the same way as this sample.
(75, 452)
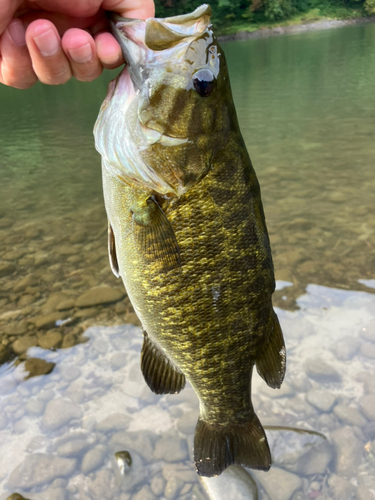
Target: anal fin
(271, 363)
(160, 374)
(112, 252)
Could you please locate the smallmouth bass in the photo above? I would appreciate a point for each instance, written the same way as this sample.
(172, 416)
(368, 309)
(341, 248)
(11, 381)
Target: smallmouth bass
(187, 232)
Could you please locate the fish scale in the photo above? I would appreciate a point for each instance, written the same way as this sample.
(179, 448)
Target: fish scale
(195, 261)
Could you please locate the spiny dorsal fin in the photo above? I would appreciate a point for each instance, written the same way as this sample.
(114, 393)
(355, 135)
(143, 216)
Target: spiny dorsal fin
(160, 374)
(112, 252)
(271, 363)
(154, 236)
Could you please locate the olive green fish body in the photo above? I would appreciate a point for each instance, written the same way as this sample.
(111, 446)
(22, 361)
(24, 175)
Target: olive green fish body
(195, 258)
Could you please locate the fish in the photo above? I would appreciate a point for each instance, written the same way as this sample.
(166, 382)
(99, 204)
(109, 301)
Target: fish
(187, 231)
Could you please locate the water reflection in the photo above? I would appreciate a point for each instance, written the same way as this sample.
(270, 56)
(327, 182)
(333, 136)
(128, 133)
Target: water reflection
(91, 429)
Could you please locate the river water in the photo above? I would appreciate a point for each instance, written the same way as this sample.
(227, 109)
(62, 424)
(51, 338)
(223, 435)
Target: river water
(307, 112)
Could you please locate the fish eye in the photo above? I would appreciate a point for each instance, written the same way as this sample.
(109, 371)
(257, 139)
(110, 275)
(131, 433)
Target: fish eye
(204, 82)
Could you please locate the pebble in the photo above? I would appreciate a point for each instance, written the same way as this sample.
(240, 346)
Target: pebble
(172, 488)
(349, 451)
(323, 400)
(157, 485)
(73, 448)
(345, 348)
(93, 459)
(103, 294)
(301, 383)
(49, 320)
(53, 301)
(369, 383)
(368, 332)
(6, 268)
(50, 340)
(59, 412)
(368, 350)
(35, 406)
(38, 469)
(173, 449)
(349, 415)
(29, 280)
(65, 305)
(19, 328)
(187, 422)
(36, 367)
(114, 422)
(20, 346)
(133, 319)
(184, 472)
(342, 488)
(144, 493)
(69, 340)
(365, 494)
(367, 404)
(26, 300)
(278, 483)
(321, 371)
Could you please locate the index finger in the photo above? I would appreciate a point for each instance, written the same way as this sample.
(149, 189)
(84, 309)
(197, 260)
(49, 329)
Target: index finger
(135, 9)
(7, 10)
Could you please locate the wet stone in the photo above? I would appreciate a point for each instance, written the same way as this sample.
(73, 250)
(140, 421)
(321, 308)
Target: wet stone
(53, 301)
(368, 350)
(69, 340)
(87, 313)
(37, 366)
(172, 449)
(349, 415)
(49, 320)
(17, 328)
(367, 404)
(342, 488)
(64, 305)
(59, 412)
(349, 450)
(93, 459)
(157, 485)
(115, 422)
(187, 422)
(368, 332)
(278, 483)
(103, 294)
(50, 340)
(133, 319)
(22, 345)
(321, 371)
(323, 400)
(144, 493)
(185, 473)
(35, 406)
(369, 430)
(172, 488)
(72, 448)
(345, 348)
(38, 469)
(301, 383)
(364, 493)
(6, 268)
(26, 300)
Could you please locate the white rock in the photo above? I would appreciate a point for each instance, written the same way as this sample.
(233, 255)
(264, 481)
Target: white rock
(93, 459)
(323, 400)
(278, 483)
(234, 483)
(59, 412)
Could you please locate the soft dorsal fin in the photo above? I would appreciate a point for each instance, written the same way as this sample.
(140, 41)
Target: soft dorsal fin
(112, 252)
(159, 372)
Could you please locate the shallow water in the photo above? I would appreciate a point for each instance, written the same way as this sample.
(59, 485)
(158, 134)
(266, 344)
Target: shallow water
(306, 108)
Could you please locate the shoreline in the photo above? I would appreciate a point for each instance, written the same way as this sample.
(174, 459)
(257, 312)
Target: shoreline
(296, 28)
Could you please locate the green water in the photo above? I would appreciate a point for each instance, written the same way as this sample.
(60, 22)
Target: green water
(307, 112)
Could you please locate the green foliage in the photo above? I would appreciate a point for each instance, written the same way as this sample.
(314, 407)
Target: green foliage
(370, 6)
(230, 13)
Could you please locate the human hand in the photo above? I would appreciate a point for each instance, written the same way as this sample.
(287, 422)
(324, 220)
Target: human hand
(53, 40)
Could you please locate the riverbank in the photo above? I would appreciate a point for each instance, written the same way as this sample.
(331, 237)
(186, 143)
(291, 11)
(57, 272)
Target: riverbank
(292, 29)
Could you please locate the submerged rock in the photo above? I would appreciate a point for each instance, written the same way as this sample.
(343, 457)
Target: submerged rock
(323, 400)
(278, 483)
(300, 451)
(39, 469)
(59, 412)
(321, 371)
(233, 483)
(37, 366)
(349, 451)
(103, 294)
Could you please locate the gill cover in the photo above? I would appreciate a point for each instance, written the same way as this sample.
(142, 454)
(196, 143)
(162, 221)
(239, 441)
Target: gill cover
(157, 52)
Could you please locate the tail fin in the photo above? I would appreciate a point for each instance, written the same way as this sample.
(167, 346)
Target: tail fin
(217, 447)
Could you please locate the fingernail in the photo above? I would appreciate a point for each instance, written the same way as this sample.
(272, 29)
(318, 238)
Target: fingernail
(17, 32)
(47, 43)
(81, 54)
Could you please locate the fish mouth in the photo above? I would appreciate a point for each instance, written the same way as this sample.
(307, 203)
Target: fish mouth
(145, 42)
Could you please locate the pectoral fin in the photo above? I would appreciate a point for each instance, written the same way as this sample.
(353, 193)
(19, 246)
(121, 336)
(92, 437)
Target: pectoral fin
(160, 374)
(271, 364)
(154, 235)
(112, 252)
